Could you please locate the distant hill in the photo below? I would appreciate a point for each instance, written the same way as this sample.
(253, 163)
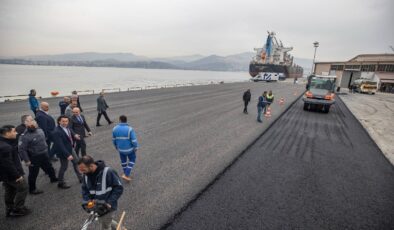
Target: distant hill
(236, 62)
(89, 56)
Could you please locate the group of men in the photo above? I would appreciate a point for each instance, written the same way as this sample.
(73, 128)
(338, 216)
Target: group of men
(36, 141)
(264, 101)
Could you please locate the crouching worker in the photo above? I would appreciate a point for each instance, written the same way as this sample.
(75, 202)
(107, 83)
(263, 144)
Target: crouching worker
(101, 189)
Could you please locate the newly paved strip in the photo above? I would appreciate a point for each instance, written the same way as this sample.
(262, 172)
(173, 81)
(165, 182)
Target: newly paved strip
(376, 114)
(187, 135)
(310, 170)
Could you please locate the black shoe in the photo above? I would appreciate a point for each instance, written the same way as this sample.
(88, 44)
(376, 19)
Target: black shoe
(36, 192)
(7, 212)
(54, 180)
(110, 122)
(19, 212)
(98, 125)
(63, 186)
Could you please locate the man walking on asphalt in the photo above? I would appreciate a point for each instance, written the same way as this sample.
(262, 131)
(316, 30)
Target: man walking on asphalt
(11, 173)
(270, 98)
(125, 141)
(261, 104)
(33, 149)
(22, 127)
(75, 97)
(102, 186)
(33, 101)
(63, 142)
(63, 105)
(69, 110)
(47, 124)
(78, 125)
(102, 109)
(246, 97)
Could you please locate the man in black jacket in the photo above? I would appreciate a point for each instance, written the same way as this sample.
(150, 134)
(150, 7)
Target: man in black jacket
(63, 142)
(11, 173)
(246, 97)
(78, 125)
(47, 124)
(102, 186)
(34, 151)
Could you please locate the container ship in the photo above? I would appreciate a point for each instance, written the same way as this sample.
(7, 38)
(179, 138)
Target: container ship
(274, 59)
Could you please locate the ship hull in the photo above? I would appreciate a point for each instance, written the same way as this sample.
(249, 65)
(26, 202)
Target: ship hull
(287, 71)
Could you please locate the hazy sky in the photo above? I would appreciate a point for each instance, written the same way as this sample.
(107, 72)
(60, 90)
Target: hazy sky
(162, 28)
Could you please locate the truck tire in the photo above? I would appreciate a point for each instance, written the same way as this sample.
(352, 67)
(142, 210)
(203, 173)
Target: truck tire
(306, 105)
(326, 108)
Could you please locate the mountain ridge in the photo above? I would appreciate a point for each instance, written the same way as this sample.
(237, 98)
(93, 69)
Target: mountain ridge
(234, 62)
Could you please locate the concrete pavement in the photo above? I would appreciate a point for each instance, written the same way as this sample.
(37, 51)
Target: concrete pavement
(376, 114)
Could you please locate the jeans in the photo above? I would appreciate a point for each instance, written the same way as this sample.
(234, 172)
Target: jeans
(259, 112)
(15, 194)
(128, 167)
(64, 166)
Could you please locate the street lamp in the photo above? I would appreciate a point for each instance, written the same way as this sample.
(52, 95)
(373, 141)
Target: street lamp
(315, 44)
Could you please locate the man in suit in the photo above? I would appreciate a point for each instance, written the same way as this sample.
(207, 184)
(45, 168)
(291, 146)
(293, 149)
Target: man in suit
(63, 142)
(47, 124)
(102, 109)
(78, 125)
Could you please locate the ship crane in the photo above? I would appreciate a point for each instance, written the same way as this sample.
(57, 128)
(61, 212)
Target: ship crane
(273, 58)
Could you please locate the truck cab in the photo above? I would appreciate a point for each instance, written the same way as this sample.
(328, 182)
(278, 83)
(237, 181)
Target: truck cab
(320, 93)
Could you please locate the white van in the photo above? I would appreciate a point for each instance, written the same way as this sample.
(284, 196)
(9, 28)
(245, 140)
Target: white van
(264, 76)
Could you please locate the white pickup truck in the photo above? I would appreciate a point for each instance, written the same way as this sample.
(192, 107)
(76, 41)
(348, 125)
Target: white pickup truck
(264, 76)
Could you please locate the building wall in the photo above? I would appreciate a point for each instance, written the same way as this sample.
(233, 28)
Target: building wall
(320, 68)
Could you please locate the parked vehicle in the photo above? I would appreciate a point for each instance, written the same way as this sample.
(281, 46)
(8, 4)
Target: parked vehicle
(320, 93)
(366, 86)
(268, 77)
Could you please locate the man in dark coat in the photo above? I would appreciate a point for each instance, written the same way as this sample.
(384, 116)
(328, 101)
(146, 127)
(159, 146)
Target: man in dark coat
(101, 109)
(63, 142)
(22, 127)
(33, 150)
(47, 124)
(11, 173)
(63, 105)
(78, 125)
(75, 97)
(246, 98)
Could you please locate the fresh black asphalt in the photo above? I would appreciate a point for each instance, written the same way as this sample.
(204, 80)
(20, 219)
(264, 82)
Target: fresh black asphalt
(310, 170)
(188, 135)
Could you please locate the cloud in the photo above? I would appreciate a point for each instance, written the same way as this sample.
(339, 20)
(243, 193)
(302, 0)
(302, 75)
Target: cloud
(174, 27)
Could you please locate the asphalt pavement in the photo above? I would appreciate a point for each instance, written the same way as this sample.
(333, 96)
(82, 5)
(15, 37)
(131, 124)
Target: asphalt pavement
(188, 135)
(310, 170)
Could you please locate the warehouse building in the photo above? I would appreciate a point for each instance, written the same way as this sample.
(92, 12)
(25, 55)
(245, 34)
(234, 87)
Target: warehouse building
(377, 67)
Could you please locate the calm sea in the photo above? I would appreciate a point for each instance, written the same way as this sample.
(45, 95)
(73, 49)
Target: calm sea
(19, 79)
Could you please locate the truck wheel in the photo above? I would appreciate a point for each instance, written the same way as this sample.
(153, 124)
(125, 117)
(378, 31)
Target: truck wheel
(306, 105)
(326, 108)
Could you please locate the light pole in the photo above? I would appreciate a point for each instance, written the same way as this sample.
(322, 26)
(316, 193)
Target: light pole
(315, 44)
